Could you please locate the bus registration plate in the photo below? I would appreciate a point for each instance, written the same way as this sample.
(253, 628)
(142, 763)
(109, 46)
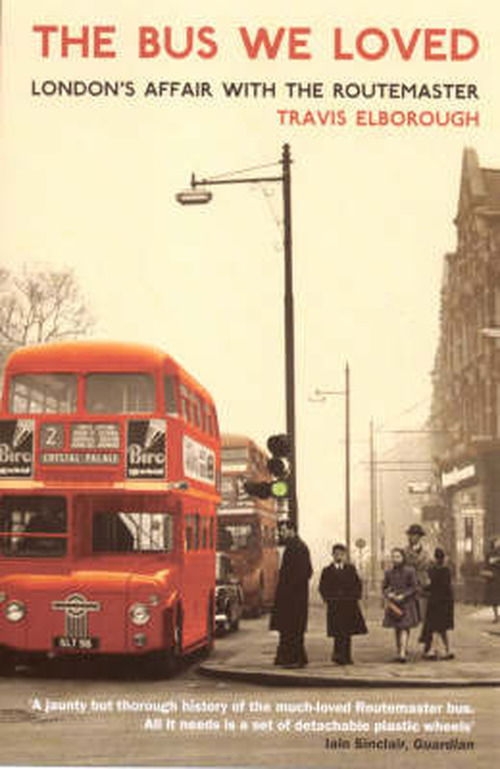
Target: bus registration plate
(82, 644)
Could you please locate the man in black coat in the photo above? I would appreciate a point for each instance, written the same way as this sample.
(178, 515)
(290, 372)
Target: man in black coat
(289, 614)
(341, 588)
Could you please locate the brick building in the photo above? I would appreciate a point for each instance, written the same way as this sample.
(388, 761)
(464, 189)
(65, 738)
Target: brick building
(466, 379)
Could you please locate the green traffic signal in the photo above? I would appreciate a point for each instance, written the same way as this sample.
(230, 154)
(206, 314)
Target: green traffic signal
(279, 489)
(279, 466)
(264, 489)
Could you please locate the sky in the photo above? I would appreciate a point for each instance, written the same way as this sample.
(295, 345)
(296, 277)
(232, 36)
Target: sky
(89, 183)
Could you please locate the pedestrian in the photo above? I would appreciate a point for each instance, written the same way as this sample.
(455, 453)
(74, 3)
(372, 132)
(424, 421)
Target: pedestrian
(341, 588)
(439, 612)
(289, 613)
(400, 588)
(418, 557)
(491, 573)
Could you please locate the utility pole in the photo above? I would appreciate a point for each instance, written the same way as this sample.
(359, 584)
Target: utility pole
(346, 392)
(373, 509)
(347, 459)
(289, 331)
(198, 195)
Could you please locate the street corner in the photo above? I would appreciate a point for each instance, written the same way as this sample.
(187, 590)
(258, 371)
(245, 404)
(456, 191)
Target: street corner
(415, 674)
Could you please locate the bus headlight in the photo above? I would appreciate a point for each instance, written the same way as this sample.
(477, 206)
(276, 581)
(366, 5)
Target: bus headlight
(15, 611)
(139, 613)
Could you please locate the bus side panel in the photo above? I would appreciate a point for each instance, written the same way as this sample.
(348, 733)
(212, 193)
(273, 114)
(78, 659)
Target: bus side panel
(198, 572)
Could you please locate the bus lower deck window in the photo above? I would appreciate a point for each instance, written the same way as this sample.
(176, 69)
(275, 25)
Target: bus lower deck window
(132, 532)
(25, 520)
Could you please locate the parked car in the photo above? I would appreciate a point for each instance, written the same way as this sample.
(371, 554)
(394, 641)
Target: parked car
(228, 595)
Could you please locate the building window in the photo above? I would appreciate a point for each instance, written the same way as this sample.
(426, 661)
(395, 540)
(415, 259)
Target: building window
(468, 535)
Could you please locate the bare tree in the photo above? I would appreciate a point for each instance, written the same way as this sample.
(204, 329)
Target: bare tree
(41, 306)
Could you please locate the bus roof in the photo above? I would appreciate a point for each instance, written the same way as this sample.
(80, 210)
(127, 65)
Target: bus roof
(84, 356)
(232, 440)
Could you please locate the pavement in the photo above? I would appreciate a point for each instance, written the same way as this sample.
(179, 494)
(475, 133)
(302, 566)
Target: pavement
(247, 655)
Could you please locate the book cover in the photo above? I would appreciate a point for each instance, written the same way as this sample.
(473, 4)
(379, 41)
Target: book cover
(301, 205)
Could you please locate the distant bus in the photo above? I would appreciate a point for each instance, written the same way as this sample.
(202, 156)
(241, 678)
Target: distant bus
(109, 476)
(247, 526)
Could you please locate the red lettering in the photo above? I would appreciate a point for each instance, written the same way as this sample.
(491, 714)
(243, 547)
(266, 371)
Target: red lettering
(406, 49)
(433, 41)
(297, 41)
(169, 49)
(45, 32)
(102, 40)
(96, 44)
(380, 36)
(430, 44)
(456, 35)
(205, 35)
(262, 40)
(82, 42)
(149, 46)
(337, 45)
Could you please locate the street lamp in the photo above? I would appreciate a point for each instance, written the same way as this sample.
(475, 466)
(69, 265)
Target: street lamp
(193, 197)
(346, 392)
(196, 195)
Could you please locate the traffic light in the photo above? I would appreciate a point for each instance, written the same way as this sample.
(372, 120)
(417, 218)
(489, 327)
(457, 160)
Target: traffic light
(260, 489)
(279, 446)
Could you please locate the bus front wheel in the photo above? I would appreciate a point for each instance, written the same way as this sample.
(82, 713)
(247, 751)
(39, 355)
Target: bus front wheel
(210, 626)
(168, 661)
(6, 662)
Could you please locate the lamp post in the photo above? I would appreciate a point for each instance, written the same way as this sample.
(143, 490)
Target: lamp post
(198, 195)
(346, 392)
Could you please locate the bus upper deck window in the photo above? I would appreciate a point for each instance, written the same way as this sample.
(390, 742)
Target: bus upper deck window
(196, 410)
(43, 394)
(170, 396)
(208, 420)
(119, 393)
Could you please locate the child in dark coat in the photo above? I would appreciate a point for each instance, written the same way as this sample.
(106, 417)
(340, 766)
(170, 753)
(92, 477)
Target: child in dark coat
(340, 587)
(439, 614)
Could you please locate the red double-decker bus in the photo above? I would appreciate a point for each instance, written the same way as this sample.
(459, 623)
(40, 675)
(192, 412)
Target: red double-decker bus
(109, 476)
(247, 526)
